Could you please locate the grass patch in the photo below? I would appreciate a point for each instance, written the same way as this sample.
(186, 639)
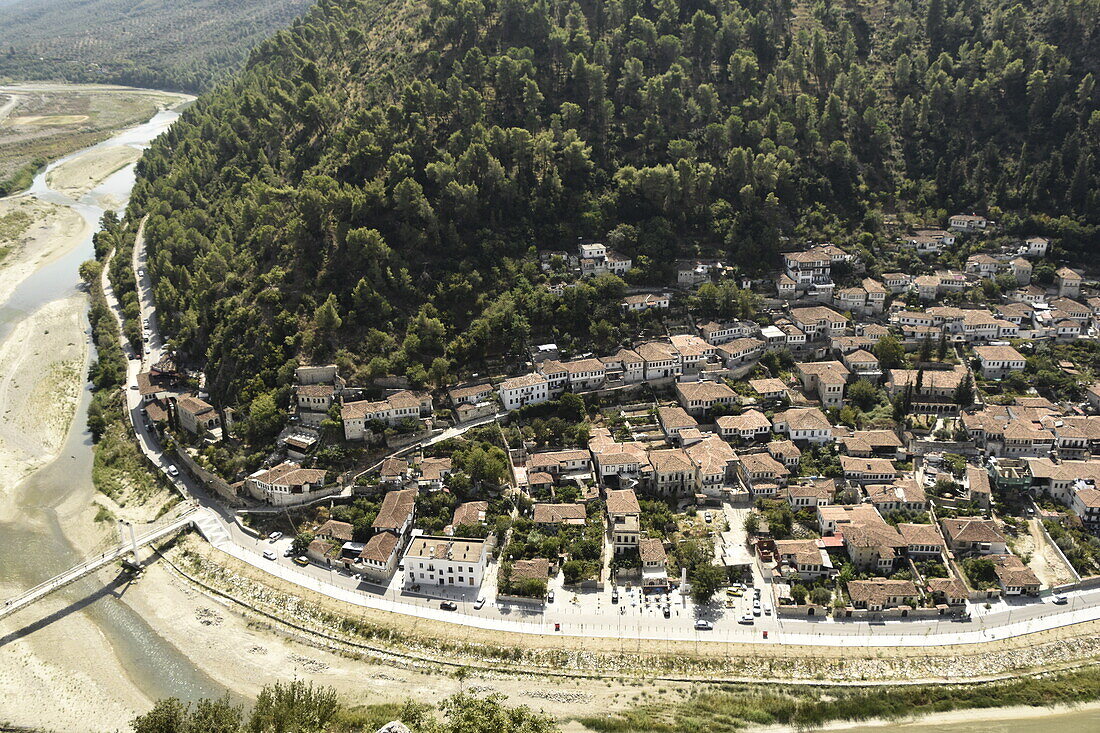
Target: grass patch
(119, 469)
(733, 708)
(103, 514)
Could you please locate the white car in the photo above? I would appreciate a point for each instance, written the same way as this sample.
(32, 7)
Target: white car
(275, 536)
(479, 603)
(269, 555)
(1059, 599)
(746, 619)
(173, 471)
(767, 610)
(703, 625)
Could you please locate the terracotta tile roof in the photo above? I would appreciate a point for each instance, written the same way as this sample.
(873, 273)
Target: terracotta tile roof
(380, 547)
(335, 529)
(971, 529)
(396, 508)
(652, 550)
(470, 512)
(560, 513)
(879, 590)
(534, 569)
(622, 501)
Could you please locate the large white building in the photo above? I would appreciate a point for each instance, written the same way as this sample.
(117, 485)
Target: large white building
(404, 405)
(528, 389)
(444, 561)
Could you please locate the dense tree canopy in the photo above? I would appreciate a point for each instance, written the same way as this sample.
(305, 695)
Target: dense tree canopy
(164, 44)
(372, 187)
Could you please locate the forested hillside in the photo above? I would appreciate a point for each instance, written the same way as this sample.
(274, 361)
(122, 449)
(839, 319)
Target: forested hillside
(166, 44)
(374, 185)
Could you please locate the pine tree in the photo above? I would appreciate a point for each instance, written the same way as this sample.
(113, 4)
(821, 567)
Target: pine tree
(964, 393)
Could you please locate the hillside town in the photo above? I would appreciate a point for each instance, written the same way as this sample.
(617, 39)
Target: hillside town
(899, 443)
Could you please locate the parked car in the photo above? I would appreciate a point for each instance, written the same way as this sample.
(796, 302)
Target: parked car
(269, 554)
(449, 606)
(1059, 599)
(173, 471)
(746, 619)
(301, 561)
(288, 552)
(479, 603)
(666, 611)
(708, 517)
(275, 536)
(703, 625)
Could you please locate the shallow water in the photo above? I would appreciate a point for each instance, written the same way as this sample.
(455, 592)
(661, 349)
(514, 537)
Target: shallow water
(34, 546)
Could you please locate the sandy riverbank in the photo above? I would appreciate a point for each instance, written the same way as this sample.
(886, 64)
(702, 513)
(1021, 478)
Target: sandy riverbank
(42, 366)
(34, 233)
(81, 174)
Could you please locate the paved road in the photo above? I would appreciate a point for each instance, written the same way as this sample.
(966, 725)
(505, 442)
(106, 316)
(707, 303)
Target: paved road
(593, 613)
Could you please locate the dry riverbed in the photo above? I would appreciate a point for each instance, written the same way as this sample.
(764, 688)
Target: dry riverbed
(81, 174)
(42, 366)
(34, 233)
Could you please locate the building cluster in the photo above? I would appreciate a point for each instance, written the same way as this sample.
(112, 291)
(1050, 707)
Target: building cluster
(723, 427)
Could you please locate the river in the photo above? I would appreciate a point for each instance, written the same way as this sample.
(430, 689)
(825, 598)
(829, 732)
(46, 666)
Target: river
(38, 541)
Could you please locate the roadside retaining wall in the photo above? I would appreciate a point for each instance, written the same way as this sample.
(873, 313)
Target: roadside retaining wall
(211, 481)
(807, 611)
(1058, 550)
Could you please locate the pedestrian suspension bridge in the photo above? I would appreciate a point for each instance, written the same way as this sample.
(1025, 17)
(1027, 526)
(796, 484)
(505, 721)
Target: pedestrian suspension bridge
(148, 535)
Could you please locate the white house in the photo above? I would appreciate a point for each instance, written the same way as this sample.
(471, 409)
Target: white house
(967, 223)
(528, 389)
(445, 561)
(998, 361)
(286, 484)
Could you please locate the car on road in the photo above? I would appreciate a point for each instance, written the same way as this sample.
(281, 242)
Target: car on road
(141, 272)
(1059, 599)
(288, 552)
(173, 471)
(767, 610)
(269, 554)
(275, 536)
(479, 603)
(703, 625)
(301, 561)
(666, 611)
(615, 596)
(449, 606)
(746, 619)
(708, 517)
(550, 597)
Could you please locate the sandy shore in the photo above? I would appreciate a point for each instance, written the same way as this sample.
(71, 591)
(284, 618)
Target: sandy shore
(35, 233)
(42, 364)
(78, 176)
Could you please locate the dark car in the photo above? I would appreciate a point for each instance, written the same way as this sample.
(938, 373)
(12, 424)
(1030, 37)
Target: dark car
(449, 606)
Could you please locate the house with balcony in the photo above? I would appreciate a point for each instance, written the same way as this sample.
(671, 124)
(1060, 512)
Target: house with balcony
(623, 518)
